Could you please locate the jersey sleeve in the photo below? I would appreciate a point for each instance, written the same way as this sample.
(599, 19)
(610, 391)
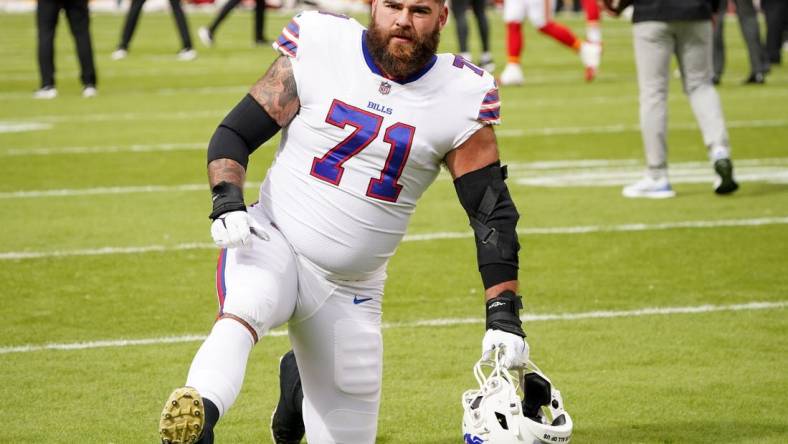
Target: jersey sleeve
(287, 42)
(483, 109)
(309, 40)
(490, 109)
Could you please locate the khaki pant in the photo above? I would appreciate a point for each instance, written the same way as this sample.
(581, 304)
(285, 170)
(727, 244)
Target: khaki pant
(691, 42)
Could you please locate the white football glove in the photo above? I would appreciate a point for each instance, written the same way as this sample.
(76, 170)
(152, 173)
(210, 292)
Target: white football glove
(515, 349)
(235, 229)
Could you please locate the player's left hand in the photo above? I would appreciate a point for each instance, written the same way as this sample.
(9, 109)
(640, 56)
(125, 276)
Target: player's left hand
(515, 348)
(235, 229)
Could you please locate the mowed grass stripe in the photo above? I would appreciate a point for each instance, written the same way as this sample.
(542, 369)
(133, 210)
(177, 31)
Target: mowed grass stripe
(610, 314)
(581, 229)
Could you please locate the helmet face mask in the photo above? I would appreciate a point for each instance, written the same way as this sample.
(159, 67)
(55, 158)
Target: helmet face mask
(496, 411)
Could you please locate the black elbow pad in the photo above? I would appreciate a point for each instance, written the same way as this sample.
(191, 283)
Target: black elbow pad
(493, 217)
(243, 130)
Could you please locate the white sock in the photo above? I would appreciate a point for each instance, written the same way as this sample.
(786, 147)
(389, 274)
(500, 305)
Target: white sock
(660, 173)
(593, 34)
(719, 152)
(218, 369)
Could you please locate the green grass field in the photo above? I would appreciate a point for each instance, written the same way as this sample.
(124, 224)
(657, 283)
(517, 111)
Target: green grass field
(642, 312)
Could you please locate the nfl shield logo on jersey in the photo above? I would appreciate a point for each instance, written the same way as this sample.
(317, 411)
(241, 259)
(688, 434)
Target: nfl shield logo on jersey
(385, 87)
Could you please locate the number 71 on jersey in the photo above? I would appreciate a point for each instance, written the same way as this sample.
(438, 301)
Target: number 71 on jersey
(366, 129)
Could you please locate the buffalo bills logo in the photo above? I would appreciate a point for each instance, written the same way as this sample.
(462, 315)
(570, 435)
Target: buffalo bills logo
(470, 439)
(385, 87)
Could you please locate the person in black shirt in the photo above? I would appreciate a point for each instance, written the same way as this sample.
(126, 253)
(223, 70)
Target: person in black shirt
(47, 14)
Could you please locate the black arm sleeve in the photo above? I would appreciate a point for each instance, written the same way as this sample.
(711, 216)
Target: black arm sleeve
(242, 131)
(493, 217)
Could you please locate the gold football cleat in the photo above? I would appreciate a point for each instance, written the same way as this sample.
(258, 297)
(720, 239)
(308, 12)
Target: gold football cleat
(182, 418)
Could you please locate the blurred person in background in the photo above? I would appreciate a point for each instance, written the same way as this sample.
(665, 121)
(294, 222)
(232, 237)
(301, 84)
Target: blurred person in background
(78, 15)
(458, 8)
(593, 28)
(186, 53)
(776, 12)
(661, 29)
(751, 32)
(539, 13)
(567, 5)
(208, 34)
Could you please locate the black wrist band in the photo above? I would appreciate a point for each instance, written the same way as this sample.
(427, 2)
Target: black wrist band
(503, 313)
(226, 197)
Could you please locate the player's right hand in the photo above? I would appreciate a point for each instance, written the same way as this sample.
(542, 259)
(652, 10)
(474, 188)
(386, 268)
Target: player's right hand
(235, 229)
(515, 349)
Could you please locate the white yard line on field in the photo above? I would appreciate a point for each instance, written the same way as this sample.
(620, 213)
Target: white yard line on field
(561, 173)
(596, 163)
(610, 314)
(112, 190)
(18, 127)
(605, 177)
(542, 102)
(129, 116)
(561, 130)
(581, 229)
(623, 128)
(135, 148)
(103, 190)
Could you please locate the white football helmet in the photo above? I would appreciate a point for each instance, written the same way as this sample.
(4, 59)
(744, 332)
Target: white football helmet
(495, 412)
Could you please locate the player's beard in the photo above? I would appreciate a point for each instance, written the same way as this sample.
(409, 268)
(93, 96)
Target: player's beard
(400, 61)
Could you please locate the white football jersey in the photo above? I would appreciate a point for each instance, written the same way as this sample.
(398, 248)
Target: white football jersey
(363, 147)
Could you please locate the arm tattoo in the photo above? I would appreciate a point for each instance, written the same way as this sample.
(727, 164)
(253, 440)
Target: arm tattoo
(276, 91)
(226, 170)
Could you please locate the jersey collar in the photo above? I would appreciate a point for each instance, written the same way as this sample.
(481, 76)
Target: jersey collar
(376, 69)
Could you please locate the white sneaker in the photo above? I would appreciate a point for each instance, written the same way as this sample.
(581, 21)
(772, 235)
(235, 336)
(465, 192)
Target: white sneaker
(591, 56)
(466, 55)
(512, 75)
(89, 91)
(205, 36)
(649, 188)
(186, 55)
(46, 93)
(119, 54)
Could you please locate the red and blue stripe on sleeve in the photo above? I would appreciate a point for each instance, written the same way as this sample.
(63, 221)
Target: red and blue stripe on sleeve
(287, 43)
(490, 111)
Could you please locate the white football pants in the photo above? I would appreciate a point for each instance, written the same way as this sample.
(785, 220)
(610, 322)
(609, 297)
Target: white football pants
(538, 11)
(334, 327)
